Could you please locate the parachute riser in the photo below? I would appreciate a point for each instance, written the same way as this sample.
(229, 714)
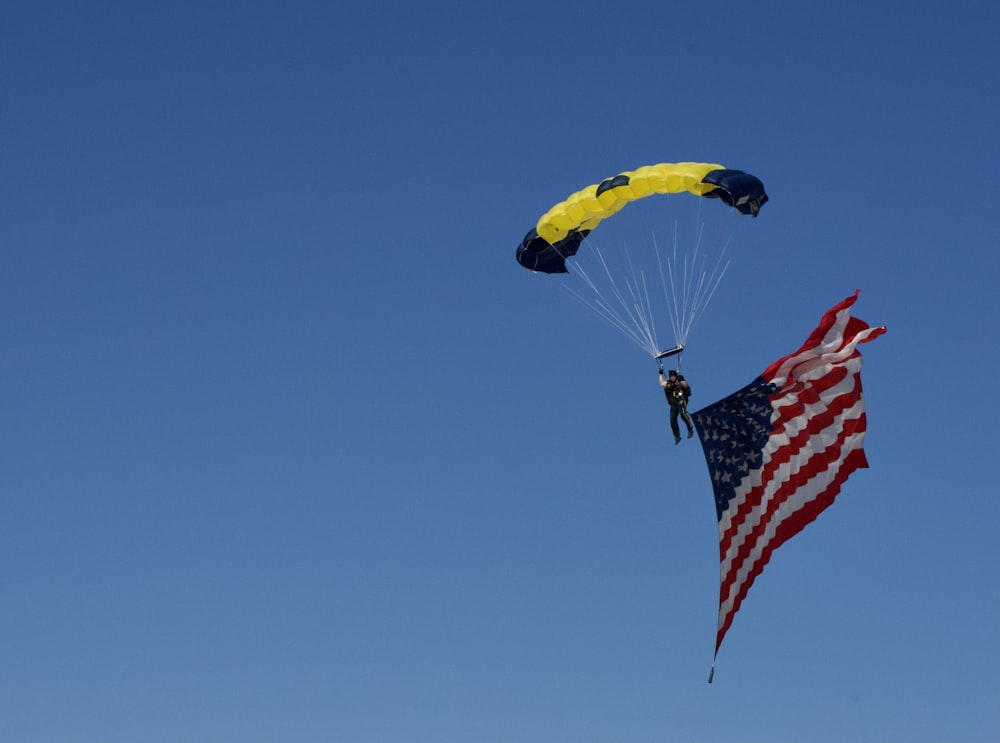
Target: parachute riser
(670, 352)
(675, 351)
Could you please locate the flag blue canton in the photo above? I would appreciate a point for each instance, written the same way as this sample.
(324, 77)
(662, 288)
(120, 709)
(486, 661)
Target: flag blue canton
(733, 433)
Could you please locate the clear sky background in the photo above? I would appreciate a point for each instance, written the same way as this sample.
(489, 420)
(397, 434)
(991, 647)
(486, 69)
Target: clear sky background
(292, 449)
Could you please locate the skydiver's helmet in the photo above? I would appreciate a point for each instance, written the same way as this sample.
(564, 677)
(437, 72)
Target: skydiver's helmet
(672, 373)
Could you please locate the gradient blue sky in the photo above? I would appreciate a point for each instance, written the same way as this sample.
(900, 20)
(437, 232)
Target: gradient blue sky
(291, 448)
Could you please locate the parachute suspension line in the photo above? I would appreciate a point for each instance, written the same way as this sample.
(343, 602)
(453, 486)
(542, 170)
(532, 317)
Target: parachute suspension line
(691, 286)
(638, 329)
(630, 316)
(708, 282)
(688, 301)
(617, 288)
(642, 304)
(640, 310)
(711, 282)
(678, 305)
(672, 310)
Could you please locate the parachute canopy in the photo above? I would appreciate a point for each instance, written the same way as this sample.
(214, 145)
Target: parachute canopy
(562, 229)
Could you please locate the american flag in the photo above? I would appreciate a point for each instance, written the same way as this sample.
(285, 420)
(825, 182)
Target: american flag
(779, 449)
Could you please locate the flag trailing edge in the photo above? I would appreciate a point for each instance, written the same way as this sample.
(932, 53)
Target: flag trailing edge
(779, 450)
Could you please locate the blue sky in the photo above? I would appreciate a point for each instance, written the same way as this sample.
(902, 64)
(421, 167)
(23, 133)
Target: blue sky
(292, 449)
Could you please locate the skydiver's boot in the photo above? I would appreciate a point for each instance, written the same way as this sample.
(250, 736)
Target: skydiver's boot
(690, 432)
(677, 440)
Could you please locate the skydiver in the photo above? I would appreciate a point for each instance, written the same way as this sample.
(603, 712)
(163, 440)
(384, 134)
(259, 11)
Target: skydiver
(677, 391)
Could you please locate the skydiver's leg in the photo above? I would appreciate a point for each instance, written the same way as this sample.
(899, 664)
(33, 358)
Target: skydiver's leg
(674, 409)
(687, 418)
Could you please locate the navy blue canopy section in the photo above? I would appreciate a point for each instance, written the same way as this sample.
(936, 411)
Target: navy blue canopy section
(537, 254)
(742, 191)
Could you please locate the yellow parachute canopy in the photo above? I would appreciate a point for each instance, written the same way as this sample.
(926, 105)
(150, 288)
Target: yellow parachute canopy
(559, 231)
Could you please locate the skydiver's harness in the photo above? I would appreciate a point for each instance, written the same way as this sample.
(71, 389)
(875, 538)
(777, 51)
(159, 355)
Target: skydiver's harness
(675, 393)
